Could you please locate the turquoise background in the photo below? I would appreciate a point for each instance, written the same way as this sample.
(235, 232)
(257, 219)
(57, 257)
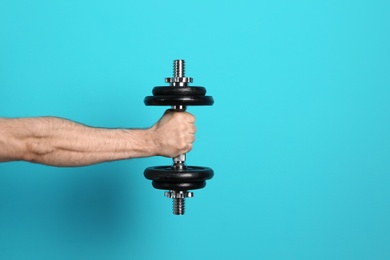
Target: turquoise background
(298, 136)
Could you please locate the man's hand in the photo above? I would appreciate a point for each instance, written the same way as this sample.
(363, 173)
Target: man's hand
(174, 133)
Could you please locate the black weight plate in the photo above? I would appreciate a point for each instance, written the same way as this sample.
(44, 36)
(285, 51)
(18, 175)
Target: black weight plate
(170, 174)
(178, 185)
(179, 100)
(181, 91)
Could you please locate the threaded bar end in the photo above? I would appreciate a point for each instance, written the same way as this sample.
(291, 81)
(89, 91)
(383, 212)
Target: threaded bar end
(178, 206)
(179, 69)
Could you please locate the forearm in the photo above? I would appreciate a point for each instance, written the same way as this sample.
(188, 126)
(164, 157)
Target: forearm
(60, 142)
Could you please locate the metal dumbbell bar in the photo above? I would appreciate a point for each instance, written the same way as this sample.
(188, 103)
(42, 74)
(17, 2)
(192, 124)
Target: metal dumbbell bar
(178, 178)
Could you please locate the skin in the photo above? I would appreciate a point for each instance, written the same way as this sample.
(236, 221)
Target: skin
(61, 142)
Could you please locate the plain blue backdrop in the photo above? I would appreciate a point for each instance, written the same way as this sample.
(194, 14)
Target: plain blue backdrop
(298, 136)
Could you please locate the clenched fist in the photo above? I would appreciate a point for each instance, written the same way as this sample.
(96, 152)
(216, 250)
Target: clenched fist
(174, 133)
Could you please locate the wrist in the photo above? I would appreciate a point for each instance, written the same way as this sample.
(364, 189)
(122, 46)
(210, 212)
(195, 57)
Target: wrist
(150, 144)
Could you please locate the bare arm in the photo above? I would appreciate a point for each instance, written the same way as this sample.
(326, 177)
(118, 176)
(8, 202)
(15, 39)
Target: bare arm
(60, 142)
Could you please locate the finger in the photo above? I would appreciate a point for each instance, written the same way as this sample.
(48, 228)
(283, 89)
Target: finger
(192, 129)
(190, 118)
(190, 138)
(189, 148)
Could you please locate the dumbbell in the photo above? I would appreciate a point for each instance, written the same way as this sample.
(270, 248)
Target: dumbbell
(178, 178)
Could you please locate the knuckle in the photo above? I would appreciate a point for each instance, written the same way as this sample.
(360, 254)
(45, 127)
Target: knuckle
(188, 116)
(191, 118)
(190, 138)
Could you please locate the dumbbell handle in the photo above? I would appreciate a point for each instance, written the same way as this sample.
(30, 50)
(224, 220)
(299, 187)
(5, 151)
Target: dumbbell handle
(179, 80)
(178, 161)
